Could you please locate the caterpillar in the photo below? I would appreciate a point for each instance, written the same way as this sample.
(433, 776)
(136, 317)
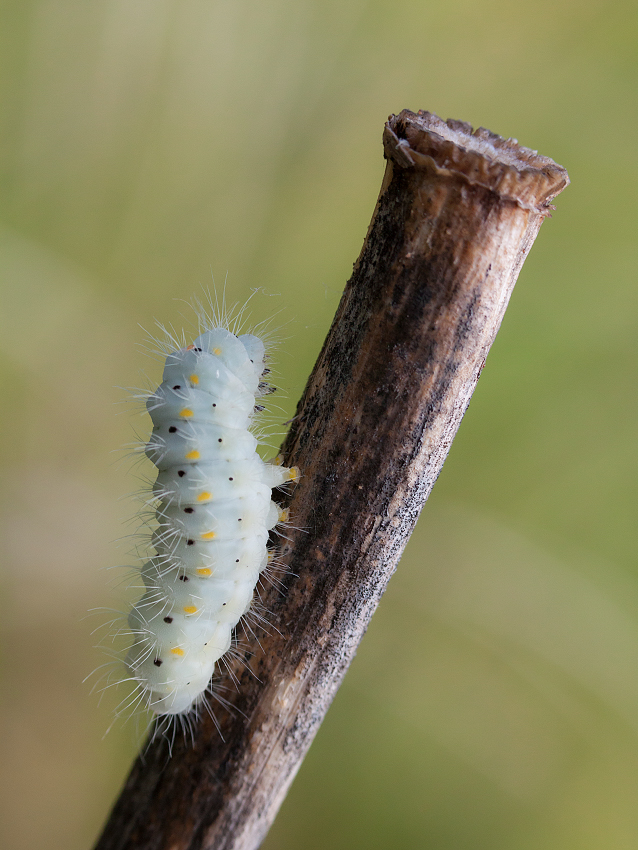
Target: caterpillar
(213, 511)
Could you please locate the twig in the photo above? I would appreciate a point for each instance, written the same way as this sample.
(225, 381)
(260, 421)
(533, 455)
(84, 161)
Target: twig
(457, 214)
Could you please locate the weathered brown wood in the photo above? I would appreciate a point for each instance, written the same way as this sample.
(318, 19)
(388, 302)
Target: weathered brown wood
(457, 213)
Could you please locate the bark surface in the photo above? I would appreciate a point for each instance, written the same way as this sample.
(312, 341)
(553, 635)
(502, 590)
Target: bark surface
(457, 214)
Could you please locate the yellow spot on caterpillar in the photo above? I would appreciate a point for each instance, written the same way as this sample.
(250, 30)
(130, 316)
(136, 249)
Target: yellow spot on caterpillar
(204, 497)
(284, 515)
(194, 455)
(186, 412)
(209, 535)
(194, 379)
(178, 651)
(190, 347)
(217, 351)
(271, 556)
(204, 571)
(293, 473)
(190, 609)
(278, 460)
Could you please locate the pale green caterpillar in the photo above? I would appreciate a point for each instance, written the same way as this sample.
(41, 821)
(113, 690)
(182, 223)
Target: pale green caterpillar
(214, 512)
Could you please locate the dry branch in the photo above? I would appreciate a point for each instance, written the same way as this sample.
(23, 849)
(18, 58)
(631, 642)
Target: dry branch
(456, 216)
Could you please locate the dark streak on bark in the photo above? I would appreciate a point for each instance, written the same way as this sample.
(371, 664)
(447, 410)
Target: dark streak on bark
(455, 219)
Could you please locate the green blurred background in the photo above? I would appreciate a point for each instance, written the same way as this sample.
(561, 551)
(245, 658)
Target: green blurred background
(148, 145)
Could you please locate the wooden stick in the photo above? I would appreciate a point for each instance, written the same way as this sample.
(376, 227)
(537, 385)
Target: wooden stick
(456, 216)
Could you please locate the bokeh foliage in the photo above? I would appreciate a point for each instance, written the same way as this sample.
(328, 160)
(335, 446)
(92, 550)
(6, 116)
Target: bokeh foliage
(149, 144)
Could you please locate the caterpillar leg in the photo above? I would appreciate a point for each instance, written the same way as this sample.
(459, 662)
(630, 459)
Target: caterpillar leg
(275, 474)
